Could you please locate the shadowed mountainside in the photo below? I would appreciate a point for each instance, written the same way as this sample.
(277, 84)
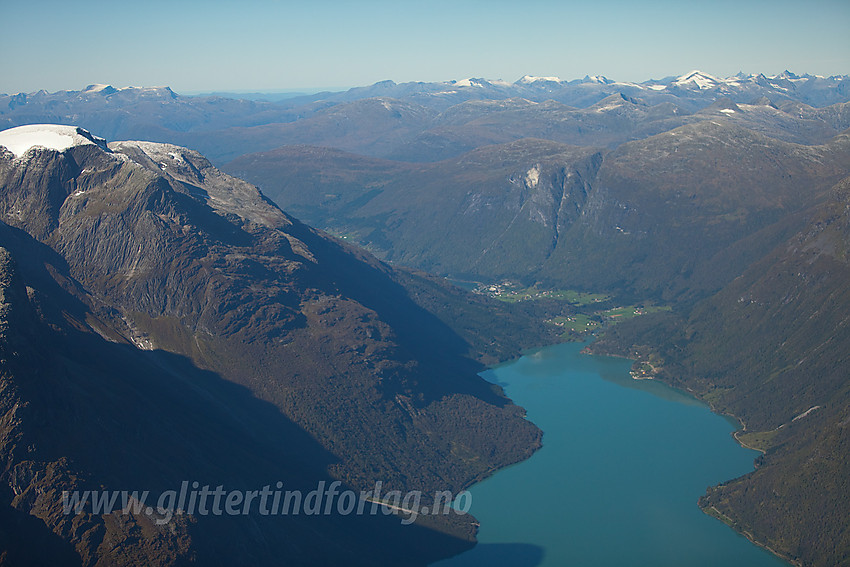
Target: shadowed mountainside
(772, 348)
(175, 325)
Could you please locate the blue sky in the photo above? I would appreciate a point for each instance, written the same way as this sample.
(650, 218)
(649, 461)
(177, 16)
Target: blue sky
(280, 45)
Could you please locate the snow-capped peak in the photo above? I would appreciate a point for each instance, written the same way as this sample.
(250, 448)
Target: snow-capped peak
(51, 136)
(529, 79)
(471, 82)
(786, 74)
(99, 88)
(699, 79)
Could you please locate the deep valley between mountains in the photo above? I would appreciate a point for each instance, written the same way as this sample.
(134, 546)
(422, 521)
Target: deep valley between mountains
(164, 320)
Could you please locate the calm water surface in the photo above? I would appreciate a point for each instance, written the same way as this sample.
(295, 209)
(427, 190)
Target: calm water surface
(617, 480)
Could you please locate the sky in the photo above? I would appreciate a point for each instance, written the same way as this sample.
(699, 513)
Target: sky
(267, 45)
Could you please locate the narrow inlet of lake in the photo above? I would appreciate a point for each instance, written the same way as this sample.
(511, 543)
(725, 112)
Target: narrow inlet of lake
(617, 480)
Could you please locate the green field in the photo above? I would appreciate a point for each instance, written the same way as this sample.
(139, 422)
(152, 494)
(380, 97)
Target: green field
(631, 311)
(759, 440)
(575, 324)
(513, 293)
(584, 320)
(578, 325)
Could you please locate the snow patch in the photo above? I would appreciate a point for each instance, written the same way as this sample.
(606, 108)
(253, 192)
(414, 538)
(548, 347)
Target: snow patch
(529, 79)
(610, 106)
(51, 136)
(97, 87)
(727, 111)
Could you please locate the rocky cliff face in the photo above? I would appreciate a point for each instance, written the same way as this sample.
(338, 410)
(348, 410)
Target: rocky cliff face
(657, 217)
(178, 326)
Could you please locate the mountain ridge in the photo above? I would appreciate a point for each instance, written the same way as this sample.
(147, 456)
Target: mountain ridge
(492, 214)
(777, 334)
(306, 354)
(720, 198)
(223, 128)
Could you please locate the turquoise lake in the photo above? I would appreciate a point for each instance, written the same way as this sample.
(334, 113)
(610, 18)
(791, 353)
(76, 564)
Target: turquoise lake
(617, 480)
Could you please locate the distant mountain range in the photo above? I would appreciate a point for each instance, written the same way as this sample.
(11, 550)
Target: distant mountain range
(433, 121)
(695, 87)
(815, 90)
(723, 199)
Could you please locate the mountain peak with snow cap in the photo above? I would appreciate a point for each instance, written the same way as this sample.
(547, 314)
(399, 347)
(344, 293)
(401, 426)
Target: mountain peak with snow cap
(697, 79)
(529, 79)
(57, 137)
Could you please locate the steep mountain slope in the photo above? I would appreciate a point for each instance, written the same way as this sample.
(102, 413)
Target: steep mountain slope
(654, 217)
(709, 193)
(85, 412)
(772, 348)
(501, 202)
(196, 332)
(667, 210)
(780, 334)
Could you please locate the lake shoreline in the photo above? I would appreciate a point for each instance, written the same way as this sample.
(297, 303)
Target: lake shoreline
(741, 428)
(533, 416)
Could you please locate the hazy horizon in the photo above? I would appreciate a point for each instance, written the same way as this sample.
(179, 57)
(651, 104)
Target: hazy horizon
(298, 91)
(266, 45)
